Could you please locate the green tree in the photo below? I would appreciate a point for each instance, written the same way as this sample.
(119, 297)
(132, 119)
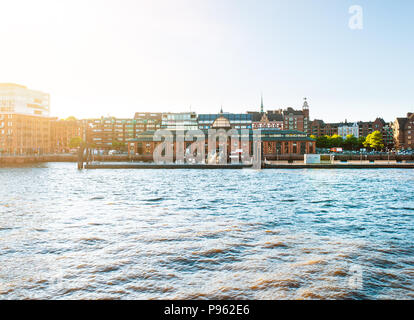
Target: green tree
(322, 142)
(335, 141)
(361, 141)
(75, 142)
(351, 142)
(374, 141)
(71, 118)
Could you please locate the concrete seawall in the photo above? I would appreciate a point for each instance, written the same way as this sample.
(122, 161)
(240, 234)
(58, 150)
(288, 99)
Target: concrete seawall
(21, 160)
(11, 160)
(265, 166)
(166, 166)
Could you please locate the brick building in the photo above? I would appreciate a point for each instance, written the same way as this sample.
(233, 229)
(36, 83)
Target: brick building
(273, 143)
(22, 134)
(319, 128)
(62, 131)
(297, 119)
(106, 132)
(267, 120)
(147, 121)
(109, 133)
(24, 120)
(386, 130)
(404, 132)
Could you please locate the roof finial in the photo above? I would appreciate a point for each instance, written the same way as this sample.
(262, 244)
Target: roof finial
(221, 109)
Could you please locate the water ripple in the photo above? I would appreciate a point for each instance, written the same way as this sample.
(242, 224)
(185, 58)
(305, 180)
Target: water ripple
(196, 234)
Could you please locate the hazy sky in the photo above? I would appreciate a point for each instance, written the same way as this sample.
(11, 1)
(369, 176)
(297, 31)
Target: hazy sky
(100, 57)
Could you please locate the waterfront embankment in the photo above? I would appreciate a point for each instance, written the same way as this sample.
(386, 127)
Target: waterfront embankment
(380, 165)
(17, 160)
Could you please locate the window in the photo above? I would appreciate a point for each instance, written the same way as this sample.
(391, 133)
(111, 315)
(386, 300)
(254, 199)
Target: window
(302, 148)
(269, 148)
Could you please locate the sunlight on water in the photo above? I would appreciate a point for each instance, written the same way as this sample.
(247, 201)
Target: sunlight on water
(198, 234)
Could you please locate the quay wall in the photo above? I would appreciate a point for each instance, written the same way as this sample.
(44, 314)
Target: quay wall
(13, 160)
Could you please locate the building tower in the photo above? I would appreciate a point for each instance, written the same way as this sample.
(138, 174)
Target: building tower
(305, 108)
(261, 104)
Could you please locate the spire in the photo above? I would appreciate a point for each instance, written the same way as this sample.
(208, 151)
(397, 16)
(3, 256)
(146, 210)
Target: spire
(221, 109)
(261, 105)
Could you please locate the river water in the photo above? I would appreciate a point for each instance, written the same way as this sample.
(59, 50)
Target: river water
(206, 234)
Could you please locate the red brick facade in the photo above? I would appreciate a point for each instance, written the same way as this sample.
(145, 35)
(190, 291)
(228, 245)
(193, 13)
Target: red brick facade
(404, 132)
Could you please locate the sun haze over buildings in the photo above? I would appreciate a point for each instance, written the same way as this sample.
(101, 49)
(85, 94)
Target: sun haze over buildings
(118, 57)
(19, 99)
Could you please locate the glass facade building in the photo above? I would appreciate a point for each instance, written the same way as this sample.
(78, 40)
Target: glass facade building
(235, 120)
(179, 121)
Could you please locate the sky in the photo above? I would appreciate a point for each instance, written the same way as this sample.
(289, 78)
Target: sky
(118, 57)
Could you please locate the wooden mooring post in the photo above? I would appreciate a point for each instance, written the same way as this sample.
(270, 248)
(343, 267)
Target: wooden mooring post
(81, 152)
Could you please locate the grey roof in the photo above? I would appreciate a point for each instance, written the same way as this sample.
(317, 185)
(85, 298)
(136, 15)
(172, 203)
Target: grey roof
(256, 116)
(274, 116)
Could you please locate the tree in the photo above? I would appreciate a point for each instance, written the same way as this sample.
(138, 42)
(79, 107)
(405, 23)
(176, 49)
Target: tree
(335, 141)
(374, 141)
(361, 141)
(75, 142)
(322, 142)
(351, 142)
(71, 118)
